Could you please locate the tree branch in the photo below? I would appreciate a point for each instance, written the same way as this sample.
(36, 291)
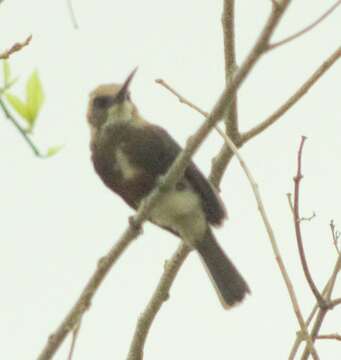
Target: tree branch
(301, 91)
(297, 179)
(221, 161)
(160, 295)
(16, 47)
(306, 29)
(330, 337)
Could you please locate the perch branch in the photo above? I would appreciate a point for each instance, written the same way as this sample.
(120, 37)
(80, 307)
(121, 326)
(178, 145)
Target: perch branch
(159, 296)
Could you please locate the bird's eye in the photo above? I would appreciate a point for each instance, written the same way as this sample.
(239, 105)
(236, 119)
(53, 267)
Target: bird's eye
(103, 102)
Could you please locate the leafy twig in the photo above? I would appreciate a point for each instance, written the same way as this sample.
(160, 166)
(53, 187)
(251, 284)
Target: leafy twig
(22, 131)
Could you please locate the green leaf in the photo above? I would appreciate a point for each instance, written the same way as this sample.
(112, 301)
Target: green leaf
(53, 150)
(6, 70)
(34, 96)
(19, 106)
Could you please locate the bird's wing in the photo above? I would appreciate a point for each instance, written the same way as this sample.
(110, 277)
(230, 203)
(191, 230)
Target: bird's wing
(154, 150)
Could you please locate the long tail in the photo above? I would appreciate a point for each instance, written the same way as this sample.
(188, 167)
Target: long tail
(228, 282)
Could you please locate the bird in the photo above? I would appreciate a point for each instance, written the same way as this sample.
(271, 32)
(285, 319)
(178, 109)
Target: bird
(130, 154)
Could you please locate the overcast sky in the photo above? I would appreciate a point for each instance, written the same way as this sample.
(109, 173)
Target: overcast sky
(57, 218)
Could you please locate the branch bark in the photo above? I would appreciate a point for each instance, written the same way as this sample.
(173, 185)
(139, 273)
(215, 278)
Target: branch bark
(15, 48)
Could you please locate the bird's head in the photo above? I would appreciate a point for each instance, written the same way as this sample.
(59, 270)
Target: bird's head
(111, 103)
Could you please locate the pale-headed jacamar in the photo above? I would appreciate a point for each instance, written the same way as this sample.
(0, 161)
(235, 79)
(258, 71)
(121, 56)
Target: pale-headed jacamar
(130, 154)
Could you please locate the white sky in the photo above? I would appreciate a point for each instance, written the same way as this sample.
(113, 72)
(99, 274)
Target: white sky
(57, 219)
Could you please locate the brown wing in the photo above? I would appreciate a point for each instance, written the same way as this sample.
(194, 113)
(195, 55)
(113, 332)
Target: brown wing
(154, 150)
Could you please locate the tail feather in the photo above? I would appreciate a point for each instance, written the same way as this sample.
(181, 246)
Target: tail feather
(229, 283)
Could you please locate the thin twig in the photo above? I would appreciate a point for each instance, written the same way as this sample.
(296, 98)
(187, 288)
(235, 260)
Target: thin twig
(75, 334)
(322, 311)
(330, 337)
(301, 91)
(21, 130)
(306, 29)
(14, 48)
(261, 208)
(308, 218)
(326, 292)
(289, 196)
(335, 236)
(181, 98)
(297, 220)
(72, 14)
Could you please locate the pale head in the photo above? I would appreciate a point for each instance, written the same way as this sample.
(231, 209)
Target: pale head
(111, 102)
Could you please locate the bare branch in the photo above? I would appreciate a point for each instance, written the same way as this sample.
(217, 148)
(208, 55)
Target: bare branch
(160, 295)
(325, 293)
(301, 91)
(297, 180)
(221, 161)
(322, 311)
(329, 337)
(74, 317)
(307, 28)
(16, 47)
(335, 302)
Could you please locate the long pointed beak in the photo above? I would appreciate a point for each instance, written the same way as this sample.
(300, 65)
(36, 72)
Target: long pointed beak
(124, 91)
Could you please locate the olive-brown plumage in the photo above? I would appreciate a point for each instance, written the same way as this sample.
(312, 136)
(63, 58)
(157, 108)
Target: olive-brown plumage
(129, 154)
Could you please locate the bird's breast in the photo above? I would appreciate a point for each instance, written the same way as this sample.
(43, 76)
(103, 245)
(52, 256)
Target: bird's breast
(124, 166)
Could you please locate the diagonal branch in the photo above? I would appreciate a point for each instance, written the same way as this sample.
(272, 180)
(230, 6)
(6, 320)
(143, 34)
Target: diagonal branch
(159, 296)
(300, 92)
(294, 36)
(14, 48)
